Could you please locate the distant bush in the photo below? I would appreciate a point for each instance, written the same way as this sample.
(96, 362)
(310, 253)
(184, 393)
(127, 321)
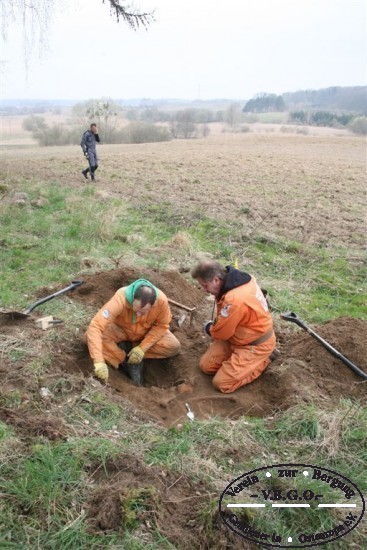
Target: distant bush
(57, 134)
(303, 131)
(205, 130)
(320, 118)
(358, 126)
(34, 123)
(139, 132)
(244, 129)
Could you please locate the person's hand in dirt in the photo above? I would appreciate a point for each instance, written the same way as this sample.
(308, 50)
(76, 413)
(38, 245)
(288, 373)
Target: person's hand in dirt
(101, 371)
(135, 356)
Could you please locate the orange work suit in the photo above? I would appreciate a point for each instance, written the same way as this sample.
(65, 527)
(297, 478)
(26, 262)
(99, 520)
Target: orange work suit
(116, 322)
(242, 318)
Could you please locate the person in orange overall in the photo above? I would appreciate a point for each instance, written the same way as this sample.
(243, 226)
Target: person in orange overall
(242, 333)
(132, 325)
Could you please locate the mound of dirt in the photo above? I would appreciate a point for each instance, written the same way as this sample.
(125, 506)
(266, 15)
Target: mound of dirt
(303, 372)
(29, 425)
(129, 492)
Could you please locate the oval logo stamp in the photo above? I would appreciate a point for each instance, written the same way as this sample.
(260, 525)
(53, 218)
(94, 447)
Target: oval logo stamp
(291, 505)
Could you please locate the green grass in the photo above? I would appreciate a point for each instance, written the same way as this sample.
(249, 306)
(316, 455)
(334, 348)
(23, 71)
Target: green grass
(272, 118)
(47, 487)
(50, 241)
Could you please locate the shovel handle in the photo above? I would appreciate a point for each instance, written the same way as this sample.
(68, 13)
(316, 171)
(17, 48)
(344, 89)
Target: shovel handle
(292, 317)
(74, 284)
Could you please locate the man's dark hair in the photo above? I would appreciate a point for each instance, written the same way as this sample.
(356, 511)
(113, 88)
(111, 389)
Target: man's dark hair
(207, 270)
(93, 124)
(146, 295)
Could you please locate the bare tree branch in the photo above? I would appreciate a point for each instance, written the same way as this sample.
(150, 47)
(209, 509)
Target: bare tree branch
(130, 15)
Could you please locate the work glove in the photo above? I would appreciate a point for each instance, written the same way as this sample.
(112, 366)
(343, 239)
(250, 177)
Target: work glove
(101, 371)
(207, 326)
(86, 155)
(135, 356)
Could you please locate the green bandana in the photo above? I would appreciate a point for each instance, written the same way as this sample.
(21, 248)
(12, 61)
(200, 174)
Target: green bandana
(131, 289)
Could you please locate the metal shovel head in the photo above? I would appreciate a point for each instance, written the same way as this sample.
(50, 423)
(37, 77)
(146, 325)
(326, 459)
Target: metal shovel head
(293, 318)
(14, 314)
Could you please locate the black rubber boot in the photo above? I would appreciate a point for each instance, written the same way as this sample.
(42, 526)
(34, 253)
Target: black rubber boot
(126, 346)
(85, 173)
(136, 373)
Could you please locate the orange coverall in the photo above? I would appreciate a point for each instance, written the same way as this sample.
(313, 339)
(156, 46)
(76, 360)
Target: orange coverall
(116, 322)
(243, 317)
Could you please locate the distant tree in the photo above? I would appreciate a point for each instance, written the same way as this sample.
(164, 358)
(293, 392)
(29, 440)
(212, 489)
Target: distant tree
(104, 112)
(264, 104)
(300, 117)
(153, 114)
(233, 114)
(183, 124)
(205, 116)
(335, 98)
(131, 114)
(279, 104)
(205, 130)
(34, 123)
(322, 118)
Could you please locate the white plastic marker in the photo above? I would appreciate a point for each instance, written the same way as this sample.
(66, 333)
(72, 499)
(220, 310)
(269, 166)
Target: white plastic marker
(190, 414)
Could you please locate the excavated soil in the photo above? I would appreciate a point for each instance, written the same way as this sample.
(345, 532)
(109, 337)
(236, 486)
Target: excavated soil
(304, 371)
(162, 500)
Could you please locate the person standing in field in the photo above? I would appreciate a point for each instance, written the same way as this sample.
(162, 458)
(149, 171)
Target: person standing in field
(242, 333)
(88, 144)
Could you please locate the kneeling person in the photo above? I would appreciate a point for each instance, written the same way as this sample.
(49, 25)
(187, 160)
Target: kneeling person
(243, 335)
(132, 326)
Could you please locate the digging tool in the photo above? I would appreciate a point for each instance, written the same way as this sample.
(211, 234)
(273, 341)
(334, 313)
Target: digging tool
(191, 310)
(292, 317)
(189, 413)
(26, 312)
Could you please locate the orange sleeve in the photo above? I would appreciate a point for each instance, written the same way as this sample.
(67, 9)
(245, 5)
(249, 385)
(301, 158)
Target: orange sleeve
(98, 324)
(228, 318)
(160, 325)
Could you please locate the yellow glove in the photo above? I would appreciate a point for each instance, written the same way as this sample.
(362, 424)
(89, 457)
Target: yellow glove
(135, 356)
(101, 371)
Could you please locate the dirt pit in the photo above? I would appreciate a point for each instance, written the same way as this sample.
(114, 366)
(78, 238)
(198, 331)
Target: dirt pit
(304, 371)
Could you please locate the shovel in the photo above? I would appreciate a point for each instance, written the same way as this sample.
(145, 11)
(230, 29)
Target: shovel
(292, 317)
(26, 312)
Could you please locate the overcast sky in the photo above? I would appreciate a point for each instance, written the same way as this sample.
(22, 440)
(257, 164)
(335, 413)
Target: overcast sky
(196, 49)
